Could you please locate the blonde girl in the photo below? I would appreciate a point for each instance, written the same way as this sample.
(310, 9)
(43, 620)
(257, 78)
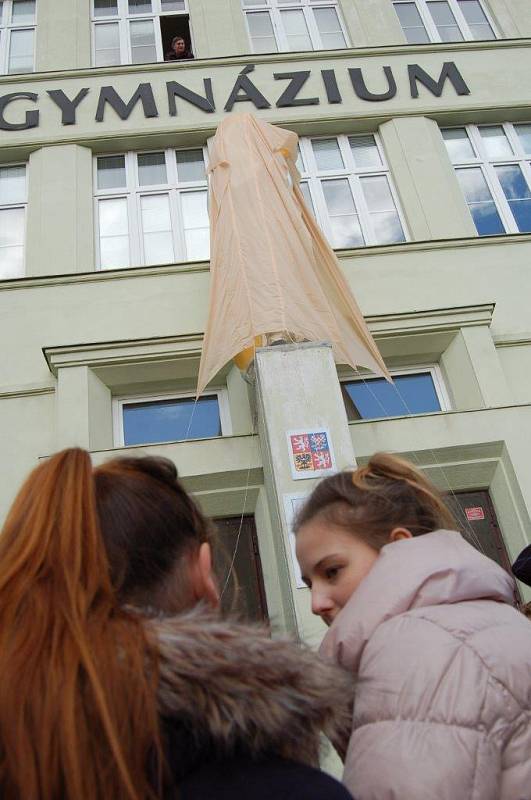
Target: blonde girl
(426, 623)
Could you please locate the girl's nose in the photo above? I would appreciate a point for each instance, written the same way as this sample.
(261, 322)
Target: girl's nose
(321, 603)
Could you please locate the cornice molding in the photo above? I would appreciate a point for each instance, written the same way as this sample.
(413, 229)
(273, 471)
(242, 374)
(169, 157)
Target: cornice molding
(12, 392)
(186, 268)
(432, 320)
(132, 351)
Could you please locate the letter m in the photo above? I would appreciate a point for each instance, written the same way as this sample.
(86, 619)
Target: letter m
(449, 72)
(144, 93)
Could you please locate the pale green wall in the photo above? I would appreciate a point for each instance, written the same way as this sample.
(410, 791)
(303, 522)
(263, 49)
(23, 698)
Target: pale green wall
(218, 28)
(516, 364)
(415, 149)
(486, 362)
(63, 35)
(60, 225)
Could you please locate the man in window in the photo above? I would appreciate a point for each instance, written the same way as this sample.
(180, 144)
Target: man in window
(179, 50)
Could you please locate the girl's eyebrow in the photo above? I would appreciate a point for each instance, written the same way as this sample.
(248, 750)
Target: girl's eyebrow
(328, 557)
(319, 565)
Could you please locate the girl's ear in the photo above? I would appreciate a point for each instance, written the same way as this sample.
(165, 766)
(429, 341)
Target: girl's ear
(400, 533)
(204, 583)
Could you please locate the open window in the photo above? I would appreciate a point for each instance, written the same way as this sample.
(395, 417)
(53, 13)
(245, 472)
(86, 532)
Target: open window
(139, 31)
(172, 27)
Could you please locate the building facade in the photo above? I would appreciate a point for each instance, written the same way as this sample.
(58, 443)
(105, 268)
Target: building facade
(414, 120)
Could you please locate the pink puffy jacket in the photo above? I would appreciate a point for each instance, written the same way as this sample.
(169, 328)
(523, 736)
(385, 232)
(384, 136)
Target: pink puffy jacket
(443, 703)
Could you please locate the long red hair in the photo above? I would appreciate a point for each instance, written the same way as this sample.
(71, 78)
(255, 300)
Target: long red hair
(78, 676)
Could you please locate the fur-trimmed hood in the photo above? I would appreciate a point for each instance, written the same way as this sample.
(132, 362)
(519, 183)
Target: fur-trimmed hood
(231, 689)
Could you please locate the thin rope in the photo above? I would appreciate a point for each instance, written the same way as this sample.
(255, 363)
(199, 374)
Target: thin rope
(246, 493)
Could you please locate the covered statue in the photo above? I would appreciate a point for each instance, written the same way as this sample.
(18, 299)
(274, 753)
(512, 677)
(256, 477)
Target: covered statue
(272, 270)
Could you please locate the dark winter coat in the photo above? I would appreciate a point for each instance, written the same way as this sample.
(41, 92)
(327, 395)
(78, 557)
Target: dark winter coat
(243, 714)
(522, 566)
(171, 55)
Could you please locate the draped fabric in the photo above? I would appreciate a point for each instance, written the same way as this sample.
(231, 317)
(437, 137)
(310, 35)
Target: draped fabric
(271, 267)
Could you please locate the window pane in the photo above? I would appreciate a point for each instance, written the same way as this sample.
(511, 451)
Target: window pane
(152, 169)
(11, 242)
(114, 233)
(476, 19)
(105, 8)
(517, 192)
(329, 28)
(384, 216)
(524, 133)
(157, 230)
(344, 222)
(190, 165)
(140, 7)
(196, 225)
(296, 30)
(107, 44)
(13, 184)
(458, 145)
(495, 142)
(376, 398)
(111, 172)
(143, 47)
(445, 21)
(305, 189)
(23, 12)
(482, 207)
(262, 34)
(170, 420)
(327, 154)
(365, 152)
(300, 161)
(173, 5)
(1, 11)
(21, 51)
(411, 23)
(338, 197)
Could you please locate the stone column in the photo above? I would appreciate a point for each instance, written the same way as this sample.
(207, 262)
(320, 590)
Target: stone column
(372, 23)
(60, 228)
(218, 28)
(297, 391)
(431, 197)
(83, 411)
(63, 35)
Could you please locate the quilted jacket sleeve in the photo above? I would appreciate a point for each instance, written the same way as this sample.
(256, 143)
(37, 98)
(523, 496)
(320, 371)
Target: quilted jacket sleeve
(421, 722)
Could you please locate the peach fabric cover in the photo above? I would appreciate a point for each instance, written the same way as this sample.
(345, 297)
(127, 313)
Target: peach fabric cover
(443, 702)
(271, 268)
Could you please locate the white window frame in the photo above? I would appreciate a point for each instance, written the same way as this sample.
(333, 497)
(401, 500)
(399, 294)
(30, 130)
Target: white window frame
(6, 28)
(487, 166)
(118, 403)
(462, 24)
(133, 193)
(436, 375)
(24, 206)
(123, 18)
(314, 177)
(307, 7)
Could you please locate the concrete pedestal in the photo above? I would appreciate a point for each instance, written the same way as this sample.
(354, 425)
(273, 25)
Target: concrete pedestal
(298, 394)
